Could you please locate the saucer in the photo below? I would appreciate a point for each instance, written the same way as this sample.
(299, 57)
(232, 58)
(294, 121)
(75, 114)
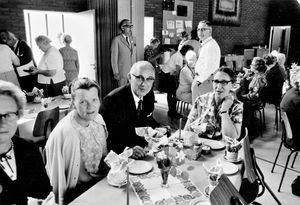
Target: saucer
(238, 160)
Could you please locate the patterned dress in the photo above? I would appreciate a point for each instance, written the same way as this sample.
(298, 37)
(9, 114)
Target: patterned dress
(71, 63)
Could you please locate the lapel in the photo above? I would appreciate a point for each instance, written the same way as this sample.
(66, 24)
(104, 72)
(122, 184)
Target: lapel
(123, 40)
(130, 101)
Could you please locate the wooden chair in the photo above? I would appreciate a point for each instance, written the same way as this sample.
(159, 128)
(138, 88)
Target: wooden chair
(286, 140)
(225, 193)
(253, 185)
(182, 107)
(45, 122)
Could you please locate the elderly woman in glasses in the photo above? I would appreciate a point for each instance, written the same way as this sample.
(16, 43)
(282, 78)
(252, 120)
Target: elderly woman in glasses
(77, 146)
(22, 172)
(218, 112)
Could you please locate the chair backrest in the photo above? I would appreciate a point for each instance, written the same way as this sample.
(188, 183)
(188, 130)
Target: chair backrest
(248, 162)
(224, 192)
(286, 127)
(45, 122)
(248, 56)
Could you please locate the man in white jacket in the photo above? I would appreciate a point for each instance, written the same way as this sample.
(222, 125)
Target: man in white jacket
(208, 61)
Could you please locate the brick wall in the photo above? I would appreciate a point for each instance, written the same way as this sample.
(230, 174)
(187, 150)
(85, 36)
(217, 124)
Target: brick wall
(12, 17)
(252, 31)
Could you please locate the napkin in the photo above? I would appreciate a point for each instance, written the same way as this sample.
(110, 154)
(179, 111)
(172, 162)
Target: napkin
(118, 164)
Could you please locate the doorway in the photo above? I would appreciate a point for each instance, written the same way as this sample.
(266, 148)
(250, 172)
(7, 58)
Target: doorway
(280, 39)
(81, 26)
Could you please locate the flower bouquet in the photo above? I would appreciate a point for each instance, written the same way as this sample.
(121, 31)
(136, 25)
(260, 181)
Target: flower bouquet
(213, 172)
(170, 155)
(232, 148)
(35, 95)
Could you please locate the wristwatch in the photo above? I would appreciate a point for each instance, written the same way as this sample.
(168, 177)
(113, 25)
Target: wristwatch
(224, 111)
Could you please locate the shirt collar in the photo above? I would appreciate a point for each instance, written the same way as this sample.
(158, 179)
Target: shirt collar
(135, 98)
(15, 46)
(206, 40)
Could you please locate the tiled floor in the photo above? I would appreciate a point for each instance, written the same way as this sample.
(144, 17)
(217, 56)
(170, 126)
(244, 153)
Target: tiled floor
(265, 148)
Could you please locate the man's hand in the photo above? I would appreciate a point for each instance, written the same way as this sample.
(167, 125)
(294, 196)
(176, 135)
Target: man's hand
(117, 76)
(138, 152)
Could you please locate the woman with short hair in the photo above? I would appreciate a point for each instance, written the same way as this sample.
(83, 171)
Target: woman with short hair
(51, 76)
(22, 171)
(218, 112)
(77, 146)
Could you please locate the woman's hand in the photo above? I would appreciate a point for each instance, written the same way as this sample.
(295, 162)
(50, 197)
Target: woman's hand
(227, 103)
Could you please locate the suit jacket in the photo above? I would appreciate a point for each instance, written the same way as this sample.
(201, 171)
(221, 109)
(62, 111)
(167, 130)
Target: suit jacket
(123, 56)
(120, 115)
(32, 179)
(24, 53)
(272, 92)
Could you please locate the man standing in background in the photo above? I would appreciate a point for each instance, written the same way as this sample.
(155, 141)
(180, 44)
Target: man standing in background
(123, 52)
(24, 53)
(208, 61)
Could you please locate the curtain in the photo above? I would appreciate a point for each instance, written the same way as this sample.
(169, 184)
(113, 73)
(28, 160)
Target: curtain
(106, 19)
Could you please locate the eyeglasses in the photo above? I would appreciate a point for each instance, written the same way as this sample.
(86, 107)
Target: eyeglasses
(9, 116)
(203, 29)
(141, 78)
(128, 26)
(222, 82)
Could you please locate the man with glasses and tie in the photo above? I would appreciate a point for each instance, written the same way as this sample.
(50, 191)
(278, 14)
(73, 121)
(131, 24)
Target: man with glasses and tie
(208, 61)
(128, 107)
(217, 113)
(123, 52)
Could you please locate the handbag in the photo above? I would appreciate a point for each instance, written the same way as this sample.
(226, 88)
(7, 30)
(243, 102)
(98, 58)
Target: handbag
(296, 186)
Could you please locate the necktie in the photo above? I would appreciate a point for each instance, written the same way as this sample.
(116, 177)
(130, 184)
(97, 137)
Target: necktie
(127, 39)
(139, 109)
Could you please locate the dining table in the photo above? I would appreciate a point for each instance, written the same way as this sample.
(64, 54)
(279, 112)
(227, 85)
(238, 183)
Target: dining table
(104, 193)
(27, 121)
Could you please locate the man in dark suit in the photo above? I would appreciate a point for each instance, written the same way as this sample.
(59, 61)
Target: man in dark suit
(32, 179)
(128, 107)
(24, 53)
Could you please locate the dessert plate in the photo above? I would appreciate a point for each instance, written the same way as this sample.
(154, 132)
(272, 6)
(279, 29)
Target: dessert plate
(140, 167)
(215, 145)
(229, 168)
(238, 160)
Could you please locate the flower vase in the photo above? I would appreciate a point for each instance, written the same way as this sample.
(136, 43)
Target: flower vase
(164, 165)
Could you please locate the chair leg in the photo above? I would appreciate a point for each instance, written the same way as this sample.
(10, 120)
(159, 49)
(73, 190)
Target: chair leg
(294, 160)
(272, 193)
(286, 164)
(276, 118)
(260, 124)
(263, 111)
(277, 156)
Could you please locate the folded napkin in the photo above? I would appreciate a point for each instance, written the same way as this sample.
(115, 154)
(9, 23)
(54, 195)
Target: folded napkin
(118, 165)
